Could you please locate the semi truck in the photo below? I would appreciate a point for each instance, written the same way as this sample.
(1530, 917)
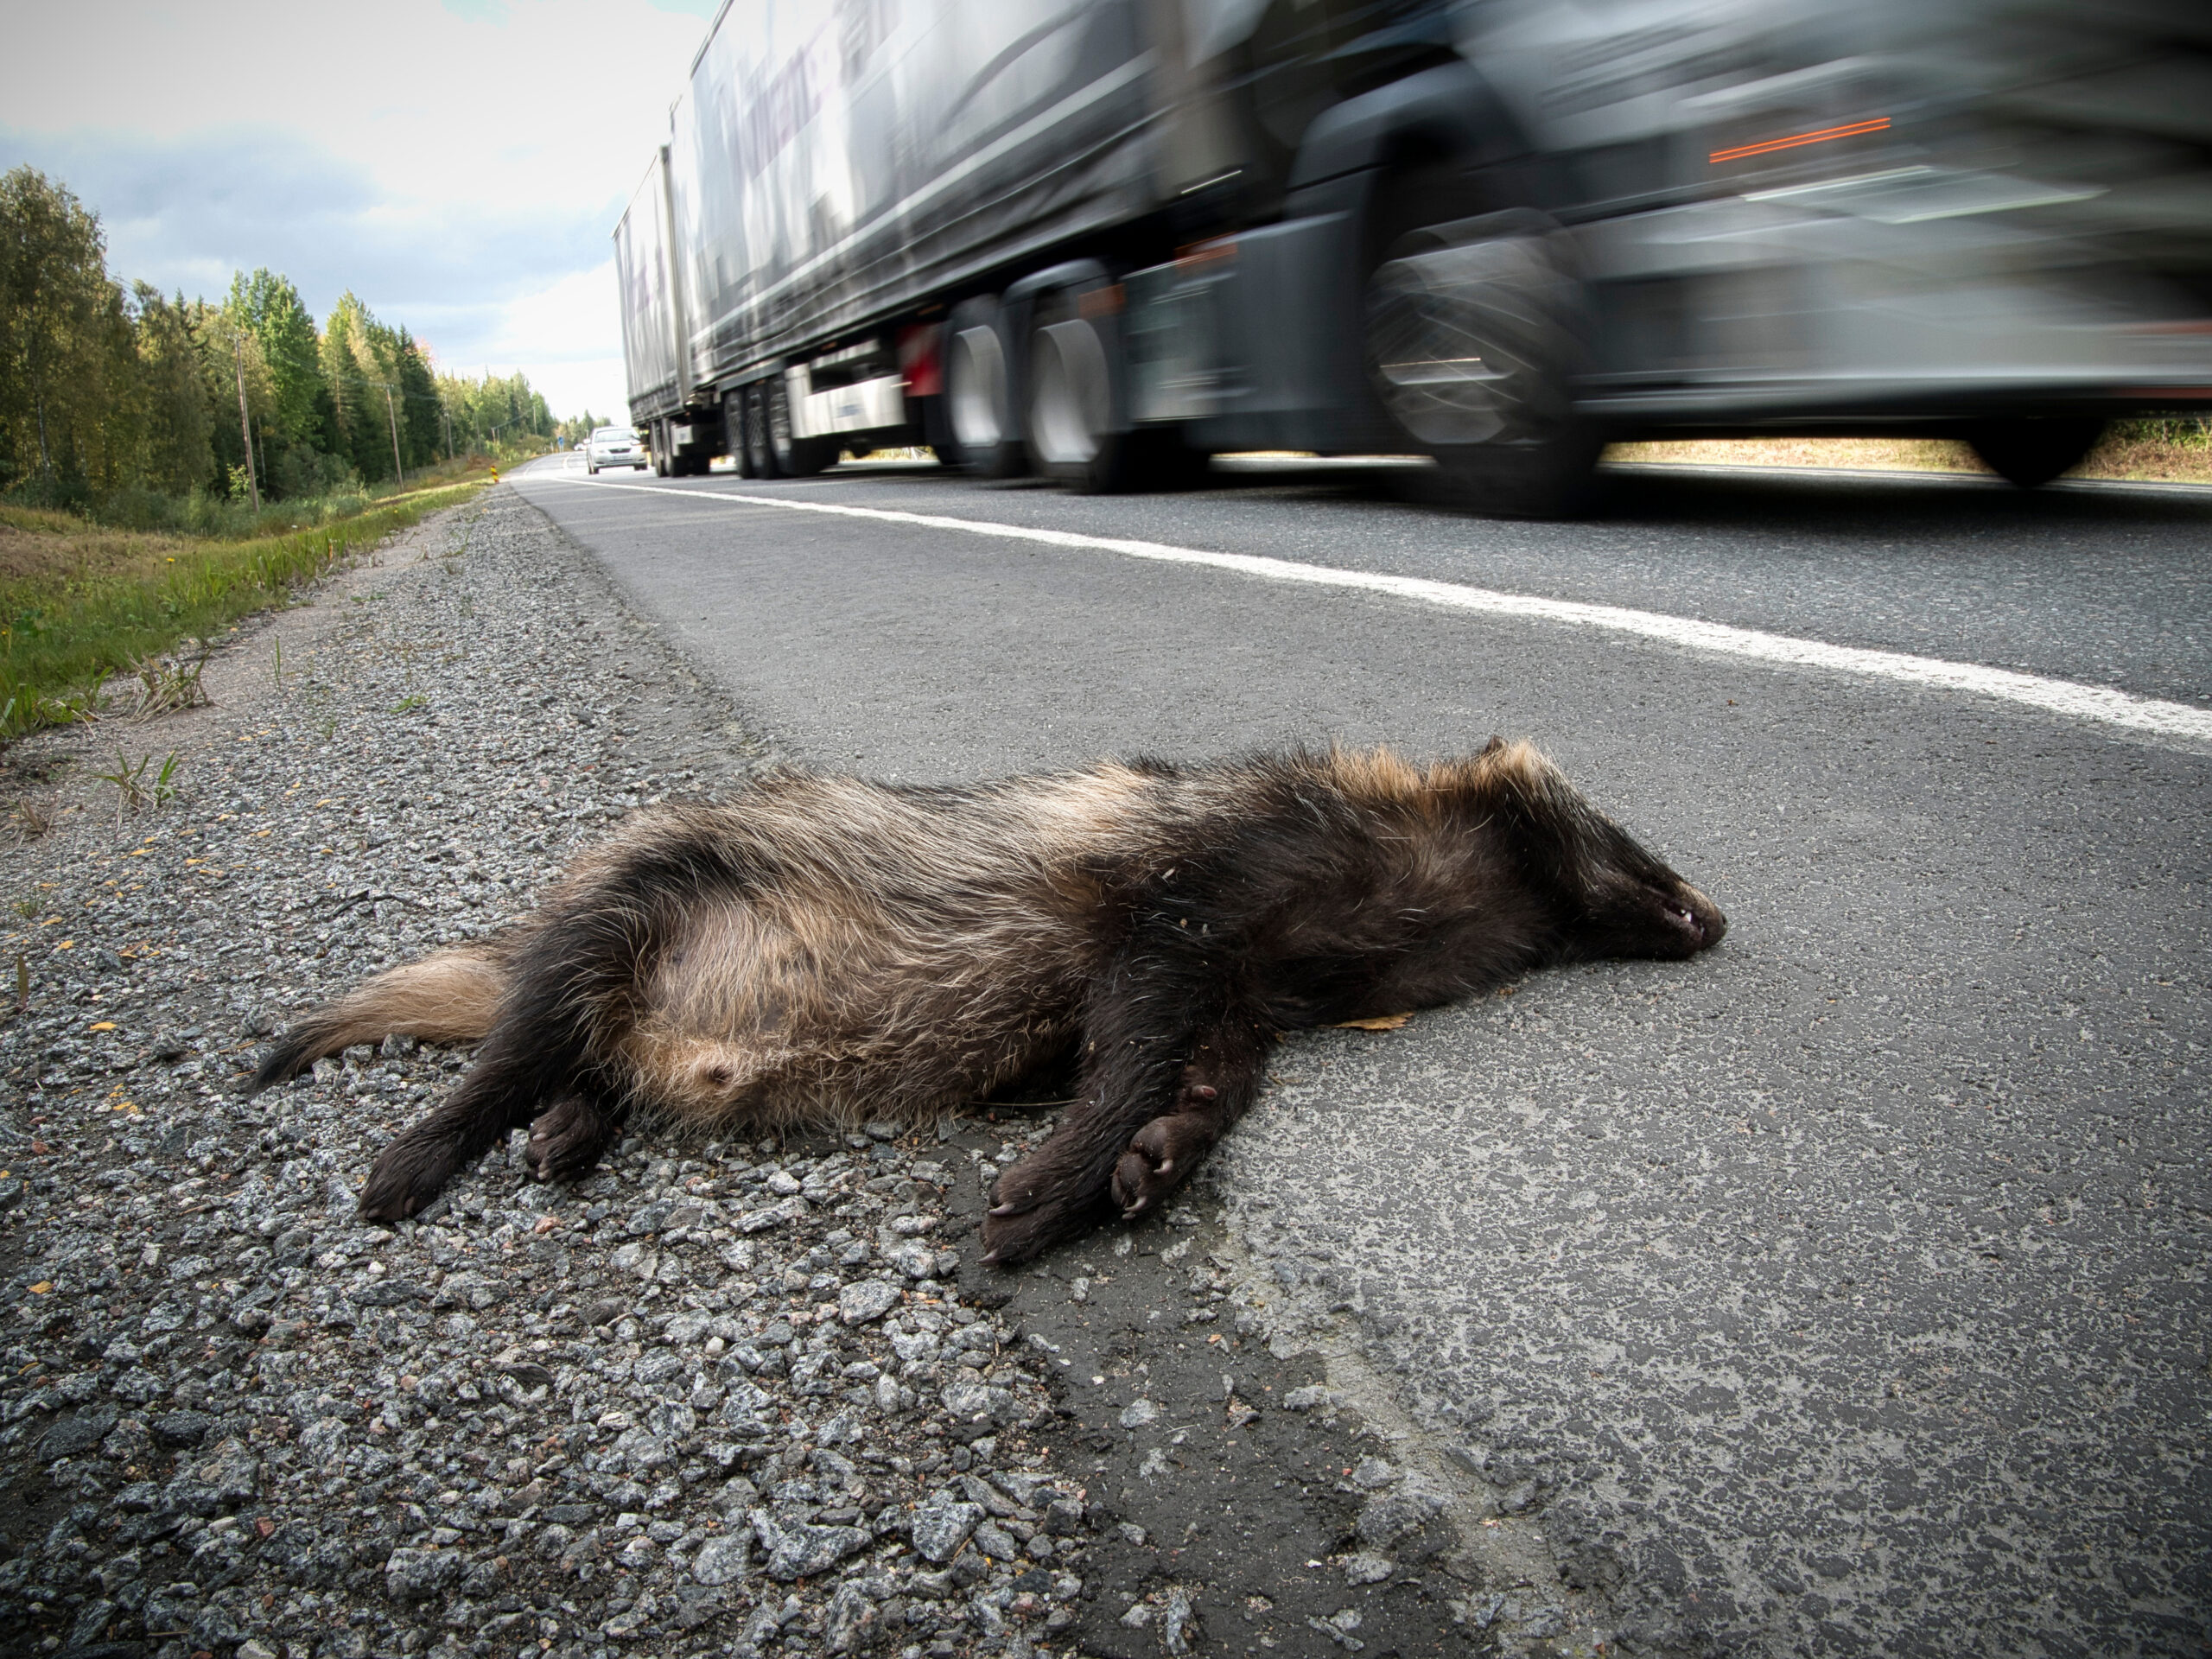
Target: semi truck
(1101, 240)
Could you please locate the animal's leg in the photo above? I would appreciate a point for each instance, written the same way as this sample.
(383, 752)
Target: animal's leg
(502, 1092)
(566, 1141)
(1181, 1090)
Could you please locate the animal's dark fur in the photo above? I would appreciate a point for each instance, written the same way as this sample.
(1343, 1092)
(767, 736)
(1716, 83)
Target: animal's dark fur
(825, 949)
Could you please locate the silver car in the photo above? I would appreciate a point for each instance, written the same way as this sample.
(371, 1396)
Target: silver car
(614, 446)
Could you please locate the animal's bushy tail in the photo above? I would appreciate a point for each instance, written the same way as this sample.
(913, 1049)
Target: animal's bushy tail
(451, 997)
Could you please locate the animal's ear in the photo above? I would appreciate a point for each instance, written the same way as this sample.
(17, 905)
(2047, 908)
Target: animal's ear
(1494, 744)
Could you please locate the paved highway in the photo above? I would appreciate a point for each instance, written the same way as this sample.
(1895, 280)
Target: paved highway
(1843, 1290)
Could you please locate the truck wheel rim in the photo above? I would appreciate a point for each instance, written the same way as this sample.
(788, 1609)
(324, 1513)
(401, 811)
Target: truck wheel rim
(977, 373)
(1069, 409)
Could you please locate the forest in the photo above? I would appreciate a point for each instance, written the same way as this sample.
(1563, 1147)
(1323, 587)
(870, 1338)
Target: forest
(133, 407)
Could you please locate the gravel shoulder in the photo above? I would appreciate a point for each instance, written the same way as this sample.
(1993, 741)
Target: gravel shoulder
(727, 1398)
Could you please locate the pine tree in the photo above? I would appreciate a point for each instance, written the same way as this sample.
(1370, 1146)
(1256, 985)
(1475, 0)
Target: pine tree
(175, 417)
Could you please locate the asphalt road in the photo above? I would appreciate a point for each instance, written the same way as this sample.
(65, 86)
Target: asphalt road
(1843, 1290)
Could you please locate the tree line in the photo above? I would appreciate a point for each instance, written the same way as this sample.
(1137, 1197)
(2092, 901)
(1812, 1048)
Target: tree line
(108, 391)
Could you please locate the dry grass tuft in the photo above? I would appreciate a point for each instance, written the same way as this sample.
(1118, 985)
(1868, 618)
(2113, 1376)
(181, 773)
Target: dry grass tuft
(2177, 451)
(167, 684)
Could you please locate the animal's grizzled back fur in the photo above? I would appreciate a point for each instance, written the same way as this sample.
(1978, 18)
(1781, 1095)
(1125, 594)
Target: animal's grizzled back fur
(824, 948)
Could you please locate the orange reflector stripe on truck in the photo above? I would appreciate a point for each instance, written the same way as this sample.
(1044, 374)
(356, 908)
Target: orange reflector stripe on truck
(1822, 136)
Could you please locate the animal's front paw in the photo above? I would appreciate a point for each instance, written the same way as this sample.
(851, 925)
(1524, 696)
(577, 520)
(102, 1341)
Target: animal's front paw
(1035, 1205)
(1008, 1239)
(1159, 1156)
(565, 1141)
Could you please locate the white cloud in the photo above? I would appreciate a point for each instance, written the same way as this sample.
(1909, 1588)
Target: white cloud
(461, 167)
(559, 337)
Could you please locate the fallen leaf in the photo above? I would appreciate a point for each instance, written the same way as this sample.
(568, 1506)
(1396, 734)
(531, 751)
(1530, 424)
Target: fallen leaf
(41, 1287)
(102, 1024)
(1379, 1022)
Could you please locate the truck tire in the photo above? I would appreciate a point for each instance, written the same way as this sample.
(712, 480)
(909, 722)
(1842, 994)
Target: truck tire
(733, 433)
(656, 441)
(1474, 338)
(760, 454)
(1075, 435)
(794, 457)
(979, 393)
(2031, 453)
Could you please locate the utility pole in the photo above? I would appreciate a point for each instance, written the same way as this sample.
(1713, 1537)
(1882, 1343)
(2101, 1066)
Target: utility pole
(394, 418)
(245, 432)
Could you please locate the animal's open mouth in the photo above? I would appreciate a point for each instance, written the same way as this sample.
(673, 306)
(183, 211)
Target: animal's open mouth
(1690, 921)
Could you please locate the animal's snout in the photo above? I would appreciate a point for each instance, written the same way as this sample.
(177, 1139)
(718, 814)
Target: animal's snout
(1699, 917)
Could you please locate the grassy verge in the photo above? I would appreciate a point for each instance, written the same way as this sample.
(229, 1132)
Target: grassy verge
(81, 603)
(2160, 451)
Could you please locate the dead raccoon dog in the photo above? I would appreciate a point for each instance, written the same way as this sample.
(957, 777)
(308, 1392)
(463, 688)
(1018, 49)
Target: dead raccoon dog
(824, 950)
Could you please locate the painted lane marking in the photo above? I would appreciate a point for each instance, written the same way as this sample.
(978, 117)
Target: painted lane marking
(2066, 697)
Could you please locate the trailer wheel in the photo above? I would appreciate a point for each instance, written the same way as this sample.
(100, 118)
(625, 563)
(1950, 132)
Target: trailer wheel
(979, 393)
(733, 433)
(1474, 334)
(794, 457)
(2031, 453)
(1071, 409)
(761, 454)
(1071, 433)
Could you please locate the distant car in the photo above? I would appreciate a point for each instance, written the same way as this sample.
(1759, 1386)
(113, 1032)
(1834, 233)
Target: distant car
(614, 446)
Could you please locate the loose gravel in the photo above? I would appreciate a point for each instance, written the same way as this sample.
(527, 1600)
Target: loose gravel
(716, 1398)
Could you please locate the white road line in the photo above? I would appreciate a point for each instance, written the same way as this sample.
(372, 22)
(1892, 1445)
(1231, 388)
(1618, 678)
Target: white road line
(2067, 698)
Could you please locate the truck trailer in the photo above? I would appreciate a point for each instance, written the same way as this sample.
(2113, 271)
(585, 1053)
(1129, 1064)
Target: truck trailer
(1101, 240)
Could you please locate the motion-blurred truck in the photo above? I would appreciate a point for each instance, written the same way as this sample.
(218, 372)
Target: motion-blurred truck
(1101, 240)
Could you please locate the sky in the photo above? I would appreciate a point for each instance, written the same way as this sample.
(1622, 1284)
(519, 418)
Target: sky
(459, 164)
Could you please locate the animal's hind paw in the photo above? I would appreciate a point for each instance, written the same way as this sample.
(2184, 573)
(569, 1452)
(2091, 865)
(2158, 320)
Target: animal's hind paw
(406, 1178)
(566, 1141)
(1159, 1156)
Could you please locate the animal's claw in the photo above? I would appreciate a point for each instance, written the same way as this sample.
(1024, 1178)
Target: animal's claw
(1156, 1159)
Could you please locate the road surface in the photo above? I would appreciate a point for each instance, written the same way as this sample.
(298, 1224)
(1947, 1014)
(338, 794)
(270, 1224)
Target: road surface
(1842, 1291)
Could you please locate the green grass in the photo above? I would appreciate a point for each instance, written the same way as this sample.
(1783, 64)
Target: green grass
(78, 606)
